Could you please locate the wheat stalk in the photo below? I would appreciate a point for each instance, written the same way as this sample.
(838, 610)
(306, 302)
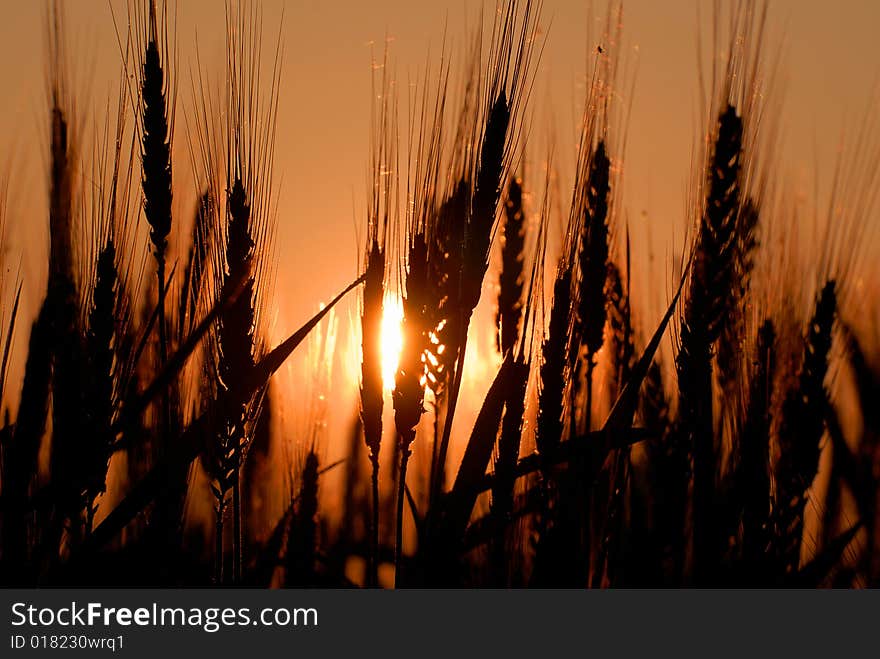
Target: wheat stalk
(510, 280)
(802, 425)
(410, 380)
(704, 314)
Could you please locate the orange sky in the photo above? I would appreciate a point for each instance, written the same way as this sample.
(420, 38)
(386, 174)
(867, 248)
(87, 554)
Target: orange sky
(831, 63)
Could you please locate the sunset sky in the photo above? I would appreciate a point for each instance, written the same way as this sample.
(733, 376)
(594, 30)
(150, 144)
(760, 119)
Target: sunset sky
(831, 60)
(819, 101)
(829, 64)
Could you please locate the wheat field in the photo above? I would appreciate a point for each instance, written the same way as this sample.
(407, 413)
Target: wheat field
(522, 393)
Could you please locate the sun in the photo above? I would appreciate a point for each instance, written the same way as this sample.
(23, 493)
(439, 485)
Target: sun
(392, 338)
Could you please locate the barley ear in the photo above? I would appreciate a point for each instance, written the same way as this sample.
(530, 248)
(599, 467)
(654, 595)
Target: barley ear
(510, 289)
(802, 425)
(704, 315)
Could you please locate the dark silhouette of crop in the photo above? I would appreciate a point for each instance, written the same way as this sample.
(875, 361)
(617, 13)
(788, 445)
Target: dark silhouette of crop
(146, 445)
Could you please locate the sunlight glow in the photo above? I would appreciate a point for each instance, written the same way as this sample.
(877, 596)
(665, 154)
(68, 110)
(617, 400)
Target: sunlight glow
(392, 338)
